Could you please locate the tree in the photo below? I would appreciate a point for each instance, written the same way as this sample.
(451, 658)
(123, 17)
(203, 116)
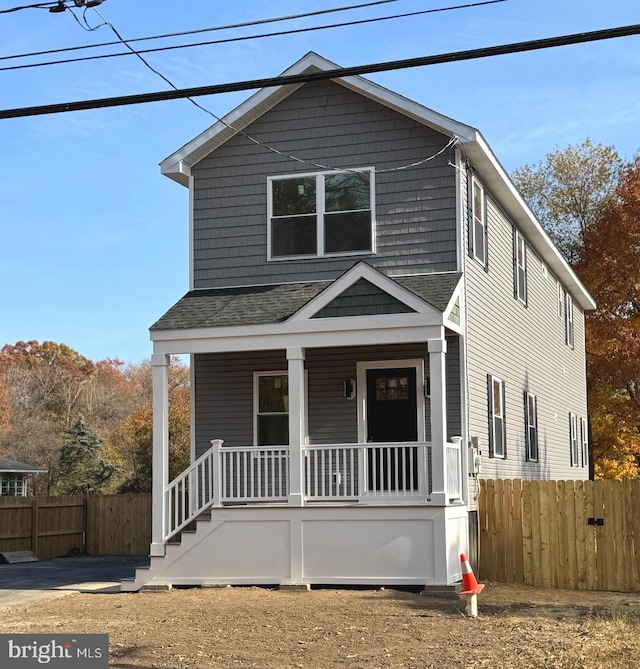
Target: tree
(568, 190)
(83, 470)
(132, 442)
(610, 270)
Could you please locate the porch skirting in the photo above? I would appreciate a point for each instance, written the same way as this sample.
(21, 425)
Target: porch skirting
(347, 545)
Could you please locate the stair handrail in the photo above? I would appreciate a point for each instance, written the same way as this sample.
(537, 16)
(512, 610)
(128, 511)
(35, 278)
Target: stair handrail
(200, 494)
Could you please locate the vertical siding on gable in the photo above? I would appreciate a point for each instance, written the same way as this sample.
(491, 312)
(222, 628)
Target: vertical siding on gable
(325, 123)
(224, 391)
(525, 347)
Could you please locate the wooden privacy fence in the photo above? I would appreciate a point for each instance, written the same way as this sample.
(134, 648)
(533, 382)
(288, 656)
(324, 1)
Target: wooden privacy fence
(578, 535)
(55, 526)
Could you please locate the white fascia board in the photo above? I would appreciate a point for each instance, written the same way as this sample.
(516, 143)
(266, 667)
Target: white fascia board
(499, 183)
(23, 471)
(363, 271)
(252, 342)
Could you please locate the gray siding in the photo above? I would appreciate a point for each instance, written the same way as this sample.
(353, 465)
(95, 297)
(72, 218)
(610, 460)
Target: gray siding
(328, 124)
(363, 299)
(224, 391)
(524, 346)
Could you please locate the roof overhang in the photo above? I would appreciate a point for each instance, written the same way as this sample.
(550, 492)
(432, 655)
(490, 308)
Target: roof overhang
(178, 165)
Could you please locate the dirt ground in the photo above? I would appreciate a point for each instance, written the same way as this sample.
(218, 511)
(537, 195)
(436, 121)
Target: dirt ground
(259, 627)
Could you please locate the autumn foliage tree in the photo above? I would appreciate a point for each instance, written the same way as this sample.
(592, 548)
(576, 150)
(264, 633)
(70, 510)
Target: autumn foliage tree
(610, 270)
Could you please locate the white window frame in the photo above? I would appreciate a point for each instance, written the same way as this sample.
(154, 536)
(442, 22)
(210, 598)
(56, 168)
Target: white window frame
(320, 212)
(482, 220)
(573, 439)
(12, 485)
(493, 416)
(560, 297)
(568, 320)
(520, 269)
(584, 441)
(529, 399)
(256, 406)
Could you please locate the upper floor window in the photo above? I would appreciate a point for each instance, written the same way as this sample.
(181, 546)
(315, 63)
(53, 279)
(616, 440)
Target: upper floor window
(326, 213)
(519, 267)
(497, 430)
(560, 296)
(478, 223)
(568, 319)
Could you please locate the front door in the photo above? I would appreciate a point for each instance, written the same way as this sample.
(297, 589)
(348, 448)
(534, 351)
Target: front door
(391, 417)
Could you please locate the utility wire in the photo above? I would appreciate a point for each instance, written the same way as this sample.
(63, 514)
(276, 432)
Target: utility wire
(248, 137)
(291, 17)
(38, 5)
(292, 31)
(336, 73)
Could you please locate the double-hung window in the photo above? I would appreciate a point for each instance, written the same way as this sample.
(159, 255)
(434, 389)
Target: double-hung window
(584, 441)
(568, 319)
(321, 214)
(497, 431)
(271, 401)
(573, 439)
(478, 223)
(519, 267)
(531, 426)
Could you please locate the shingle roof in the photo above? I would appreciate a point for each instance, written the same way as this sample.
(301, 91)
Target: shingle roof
(256, 305)
(252, 305)
(436, 289)
(17, 467)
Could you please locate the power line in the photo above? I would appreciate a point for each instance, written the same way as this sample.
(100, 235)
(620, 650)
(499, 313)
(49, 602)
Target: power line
(337, 73)
(38, 5)
(231, 26)
(244, 38)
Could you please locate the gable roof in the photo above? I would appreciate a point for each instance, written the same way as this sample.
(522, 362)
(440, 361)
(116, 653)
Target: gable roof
(258, 305)
(14, 467)
(178, 165)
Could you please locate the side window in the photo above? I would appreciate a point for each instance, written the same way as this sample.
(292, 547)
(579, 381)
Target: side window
(573, 439)
(322, 214)
(519, 267)
(497, 428)
(478, 223)
(531, 426)
(584, 441)
(560, 295)
(568, 319)
(271, 408)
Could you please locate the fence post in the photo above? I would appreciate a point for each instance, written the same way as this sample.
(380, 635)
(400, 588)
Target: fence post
(34, 525)
(217, 472)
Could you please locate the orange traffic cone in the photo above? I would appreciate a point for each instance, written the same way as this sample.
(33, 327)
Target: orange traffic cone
(469, 584)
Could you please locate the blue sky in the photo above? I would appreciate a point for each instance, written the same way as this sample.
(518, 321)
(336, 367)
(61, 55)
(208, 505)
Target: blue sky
(93, 240)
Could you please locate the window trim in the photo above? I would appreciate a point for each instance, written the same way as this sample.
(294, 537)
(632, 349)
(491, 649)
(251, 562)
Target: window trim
(520, 290)
(320, 213)
(530, 447)
(492, 417)
(584, 441)
(473, 246)
(573, 439)
(256, 406)
(569, 333)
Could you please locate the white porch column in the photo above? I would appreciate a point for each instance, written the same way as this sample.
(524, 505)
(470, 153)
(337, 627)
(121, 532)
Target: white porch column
(437, 349)
(160, 366)
(297, 413)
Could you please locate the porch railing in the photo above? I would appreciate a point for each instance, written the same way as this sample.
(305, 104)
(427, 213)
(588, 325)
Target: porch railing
(373, 472)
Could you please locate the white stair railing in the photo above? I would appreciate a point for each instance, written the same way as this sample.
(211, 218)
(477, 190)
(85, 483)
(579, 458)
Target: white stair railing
(193, 491)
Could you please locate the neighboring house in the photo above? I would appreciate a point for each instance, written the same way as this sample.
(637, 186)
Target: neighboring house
(13, 477)
(360, 326)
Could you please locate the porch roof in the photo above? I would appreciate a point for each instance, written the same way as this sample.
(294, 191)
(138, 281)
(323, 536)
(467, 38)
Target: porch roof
(15, 467)
(256, 305)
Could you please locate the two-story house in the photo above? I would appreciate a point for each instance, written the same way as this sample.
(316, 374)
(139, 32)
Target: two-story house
(372, 306)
